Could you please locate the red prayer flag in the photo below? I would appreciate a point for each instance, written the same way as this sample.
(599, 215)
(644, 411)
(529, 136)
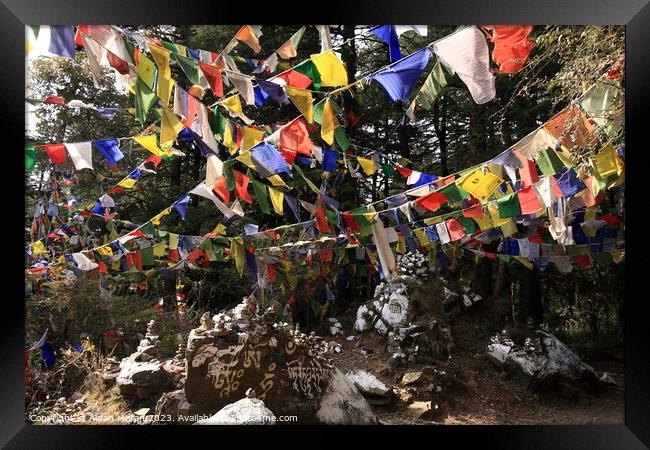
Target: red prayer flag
(442, 182)
(241, 186)
(528, 173)
(511, 46)
(528, 201)
(117, 63)
(295, 79)
(56, 152)
(432, 201)
(271, 272)
(351, 222)
(213, 77)
(474, 212)
(221, 189)
(321, 221)
(455, 229)
(404, 171)
(288, 155)
(295, 137)
(54, 100)
(583, 261)
(325, 255)
(154, 159)
(174, 255)
(611, 220)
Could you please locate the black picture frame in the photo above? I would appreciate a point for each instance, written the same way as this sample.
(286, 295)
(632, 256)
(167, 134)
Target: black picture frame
(635, 14)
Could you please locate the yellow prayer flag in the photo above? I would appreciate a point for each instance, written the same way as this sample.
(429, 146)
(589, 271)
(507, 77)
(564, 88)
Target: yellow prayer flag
(368, 165)
(277, 199)
(149, 142)
(303, 101)
(170, 127)
(433, 220)
(618, 255)
(276, 180)
(480, 185)
(159, 250)
(232, 104)
(422, 236)
(292, 278)
(246, 158)
(329, 123)
(509, 228)
(605, 161)
(371, 216)
(173, 241)
(165, 84)
(372, 256)
(331, 69)
(229, 139)
(497, 220)
(401, 245)
(156, 219)
(127, 183)
(105, 250)
(146, 70)
(484, 223)
(524, 261)
(237, 253)
(115, 265)
(220, 229)
(38, 247)
(251, 136)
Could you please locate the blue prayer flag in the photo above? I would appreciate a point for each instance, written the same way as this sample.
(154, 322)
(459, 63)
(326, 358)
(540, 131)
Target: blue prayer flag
(109, 148)
(388, 34)
(399, 79)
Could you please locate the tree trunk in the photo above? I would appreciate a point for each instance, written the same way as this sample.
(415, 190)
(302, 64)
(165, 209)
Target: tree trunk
(440, 127)
(530, 296)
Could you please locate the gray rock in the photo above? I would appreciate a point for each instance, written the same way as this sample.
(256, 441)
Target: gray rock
(368, 384)
(140, 380)
(412, 377)
(247, 411)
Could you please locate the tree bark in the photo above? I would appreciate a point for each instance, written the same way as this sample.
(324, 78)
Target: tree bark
(530, 296)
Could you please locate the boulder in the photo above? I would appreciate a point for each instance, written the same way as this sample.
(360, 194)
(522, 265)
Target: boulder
(141, 380)
(172, 407)
(368, 384)
(286, 368)
(412, 377)
(247, 411)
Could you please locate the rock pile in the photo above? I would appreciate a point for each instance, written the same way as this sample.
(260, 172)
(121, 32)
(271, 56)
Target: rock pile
(390, 308)
(413, 266)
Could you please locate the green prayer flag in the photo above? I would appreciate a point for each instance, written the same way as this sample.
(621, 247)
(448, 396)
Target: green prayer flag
(469, 226)
(318, 111)
(549, 162)
(190, 67)
(30, 158)
(509, 206)
(453, 193)
(388, 169)
(309, 68)
(332, 217)
(145, 98)
(341, 138)
(432, 87)
(147, 256)
(603, 259)
(261, 195)
(227, 173)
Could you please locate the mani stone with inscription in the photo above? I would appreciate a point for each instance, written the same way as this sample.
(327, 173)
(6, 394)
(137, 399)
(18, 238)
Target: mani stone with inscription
(283, 371)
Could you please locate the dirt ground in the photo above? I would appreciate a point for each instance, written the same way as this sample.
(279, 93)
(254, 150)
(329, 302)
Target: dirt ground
(491, 399)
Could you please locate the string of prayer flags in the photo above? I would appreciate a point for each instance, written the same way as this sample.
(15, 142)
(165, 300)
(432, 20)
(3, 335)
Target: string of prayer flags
(388, 34)
(511, 46)
(466, 53)
(249, 35)
(399, 79)
(290, 48)
(330, 68)
(81, 155)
